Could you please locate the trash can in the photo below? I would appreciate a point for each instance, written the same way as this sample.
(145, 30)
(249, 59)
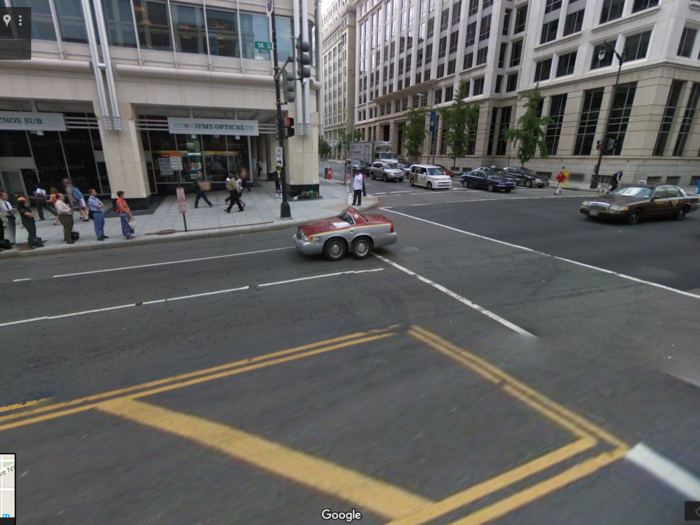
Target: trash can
(594, 181)
(329, 172)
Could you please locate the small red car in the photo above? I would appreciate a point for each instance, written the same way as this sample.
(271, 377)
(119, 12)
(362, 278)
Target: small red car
(447, 172)
(351, 231)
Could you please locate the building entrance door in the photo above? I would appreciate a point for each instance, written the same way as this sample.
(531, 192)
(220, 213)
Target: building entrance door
(13, 183)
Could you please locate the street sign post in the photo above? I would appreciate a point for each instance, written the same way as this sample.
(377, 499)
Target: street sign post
(270, 7)
(182, 205)
(263, 48)
(279, 155)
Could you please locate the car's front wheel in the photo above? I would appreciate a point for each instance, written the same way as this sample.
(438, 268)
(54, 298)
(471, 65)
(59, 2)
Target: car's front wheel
(490, 188)
(384, 177)
(335, 249)
(634, 216)
(411, 182)
(430, 185)
(528, 184)
(361, 247)
(374, 177)
(680, 215)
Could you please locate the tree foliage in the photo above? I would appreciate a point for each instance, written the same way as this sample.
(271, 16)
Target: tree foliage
(459, 120)
(530, 133)
(323, 147)
(414, 131)
(346, 139)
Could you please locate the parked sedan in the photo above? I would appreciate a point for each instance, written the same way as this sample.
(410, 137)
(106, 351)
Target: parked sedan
(386, 171)
(631, 203)
(357, 166)
(492, 180)
(351, 231)
(526, 177)
(447, 172)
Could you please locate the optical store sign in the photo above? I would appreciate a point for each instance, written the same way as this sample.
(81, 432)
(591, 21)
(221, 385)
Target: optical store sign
(201, 126)
(25, 121)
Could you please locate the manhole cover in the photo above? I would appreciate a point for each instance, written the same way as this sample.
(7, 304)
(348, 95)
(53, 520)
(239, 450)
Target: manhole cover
(656, 272)
(166, 232)
(409, 249)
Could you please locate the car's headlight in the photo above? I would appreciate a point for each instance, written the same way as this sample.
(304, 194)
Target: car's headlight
(617, 207)
(538, 180)
(586, 203)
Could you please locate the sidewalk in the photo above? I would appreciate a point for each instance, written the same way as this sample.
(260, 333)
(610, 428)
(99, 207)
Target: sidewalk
(165, 224)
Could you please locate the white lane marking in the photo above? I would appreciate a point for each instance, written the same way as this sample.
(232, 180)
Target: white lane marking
(526, 249)
(20, 280)
(454, 295)
(120, 307)
(172, 262)
(666, 470)
(320, 277)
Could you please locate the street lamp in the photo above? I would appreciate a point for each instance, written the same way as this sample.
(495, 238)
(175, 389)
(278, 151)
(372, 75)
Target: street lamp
(620, 59)
(433, 126)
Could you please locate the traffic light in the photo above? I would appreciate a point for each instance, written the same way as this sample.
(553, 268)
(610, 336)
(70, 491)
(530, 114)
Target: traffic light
(609, 144)
(599, 145)
(303, 59)
(288, 87)
(289, 127)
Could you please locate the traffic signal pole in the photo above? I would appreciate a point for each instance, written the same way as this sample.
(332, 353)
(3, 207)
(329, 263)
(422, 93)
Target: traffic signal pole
(285, 211)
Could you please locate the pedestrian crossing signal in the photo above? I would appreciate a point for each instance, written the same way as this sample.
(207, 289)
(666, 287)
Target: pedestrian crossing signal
(289, 127)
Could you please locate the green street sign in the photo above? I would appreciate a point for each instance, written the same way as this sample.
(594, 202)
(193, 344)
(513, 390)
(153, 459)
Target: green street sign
(337, 144)
(263, 48)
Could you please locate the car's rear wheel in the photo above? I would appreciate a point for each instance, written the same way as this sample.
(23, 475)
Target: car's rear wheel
(464, 183)
(528, 184)
(335, 249)
(374, 177)
(469, 184)
(430, 185)
(680, 215)
(384, 177)
(490, 187)
(634, 216)
(361, 247)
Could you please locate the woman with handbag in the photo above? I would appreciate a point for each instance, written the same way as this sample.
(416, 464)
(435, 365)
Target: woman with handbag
(122, 208)
(65, 217)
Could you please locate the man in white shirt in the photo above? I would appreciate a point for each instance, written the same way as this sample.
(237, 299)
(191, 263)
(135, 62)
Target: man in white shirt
(357, 187)
(8, 217)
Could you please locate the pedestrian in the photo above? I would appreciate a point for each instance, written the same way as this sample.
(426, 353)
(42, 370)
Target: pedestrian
(277, 177)
(76, 199)
(65, 217)
(560, 181)
(239, 185)
(201, 186)
(357, 183)
(244, 179)
(53, 195)
(229, 176)
(41, 202)
(26, 215)
(98, 217)
(233, 195)
(259, 166)
(122, 208)
(8, 217)
(364, 189)
(616, 180)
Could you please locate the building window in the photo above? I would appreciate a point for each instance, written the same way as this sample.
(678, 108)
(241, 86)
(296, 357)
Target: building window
(482, 55)
(552, 5)
(589, 120)
(641, 5)
(549, 31)
(71, 21)
(391, 71)
(451, 66)
(431, 27)
(499, 81)
(620, 115)
(468, 61)
(573, 22)
(520, 19)
(485, 28)
(392, 52)
(445, 20)
(471, 35)
(426, 75)
(419, 58)
(492, 131)
(438, 96)
(556, 113)
(120, 24)
(487, 3)
(515, 53)
(687, 121)
(543, 70)
(506, 21)
(400, 66)
(674, 97)
(607, 61)
(512, 84)
(399, 85)
(442, 48)
(449, 93)
(479, 86)
(502, 147)
(454, 37)
(440, 71)
(685, 47)
(416, 102)
(612, 10)
(404, 104)
(253, 28)
(473, 7)
(471, 144)
(456, 9)
(153, 24)
(636, 46)
(502, 55)
(397, 105)
(42, 21)
(428, 54)
(566, 64)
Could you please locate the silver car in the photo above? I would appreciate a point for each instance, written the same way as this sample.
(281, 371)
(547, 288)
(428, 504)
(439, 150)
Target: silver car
(386, 171)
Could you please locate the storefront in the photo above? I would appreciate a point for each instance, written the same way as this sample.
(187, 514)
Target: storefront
(48, 143)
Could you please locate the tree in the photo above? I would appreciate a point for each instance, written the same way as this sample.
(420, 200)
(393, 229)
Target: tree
(414, 131)
(346, 139)
(459, 121)
(530, 133)
(323, 147)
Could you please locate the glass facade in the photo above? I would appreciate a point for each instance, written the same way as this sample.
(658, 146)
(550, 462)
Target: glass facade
(120, 23)
(42, 23)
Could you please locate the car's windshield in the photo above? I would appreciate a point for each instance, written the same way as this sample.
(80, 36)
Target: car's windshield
(346, 217)
(499, 173)
(528, 171)
(391, 166)
(633, 191)
(435, 171)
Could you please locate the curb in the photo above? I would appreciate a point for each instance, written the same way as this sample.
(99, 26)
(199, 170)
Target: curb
(155, 239)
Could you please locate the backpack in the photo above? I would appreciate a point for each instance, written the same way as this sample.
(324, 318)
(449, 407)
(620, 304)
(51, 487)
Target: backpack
(74, 236)
(5, 244)
(77, 194)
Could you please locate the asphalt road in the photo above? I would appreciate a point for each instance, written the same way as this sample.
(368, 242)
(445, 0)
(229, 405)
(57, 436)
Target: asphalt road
(237, 381)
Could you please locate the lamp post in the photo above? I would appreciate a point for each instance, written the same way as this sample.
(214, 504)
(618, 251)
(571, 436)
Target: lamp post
(433, 126)
(620, 59)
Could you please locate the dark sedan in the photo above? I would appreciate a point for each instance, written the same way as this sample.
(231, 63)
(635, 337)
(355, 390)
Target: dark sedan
(357, 166)
(526, 177)
(490, 181)
(632, 203)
